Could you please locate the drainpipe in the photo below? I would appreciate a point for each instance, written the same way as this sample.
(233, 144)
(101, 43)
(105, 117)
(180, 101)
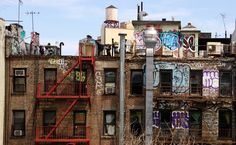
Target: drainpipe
(150, 42)
(122, 86)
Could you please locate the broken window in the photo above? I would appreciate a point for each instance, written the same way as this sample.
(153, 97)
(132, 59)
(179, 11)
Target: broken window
(136, 82)
(136, 121)
(110, 81)
(195, 122)
(80, 124)
(166, 81)
(19, 80)
(225, 123)
(165, 119)
(49, 120)
(18, 123)
(109, 125)
(225, 83)
(196, 82)
(50, 78)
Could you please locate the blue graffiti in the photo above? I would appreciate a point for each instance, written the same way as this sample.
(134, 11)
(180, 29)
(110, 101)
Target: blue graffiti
(170, 40)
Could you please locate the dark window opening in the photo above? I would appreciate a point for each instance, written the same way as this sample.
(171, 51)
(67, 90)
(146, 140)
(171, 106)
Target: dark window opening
(225, 123)
(49, 120)
(18, 127)
(50, 78)
(136, 82)
(109, 126)
(110, 81)
(136, 122)
(225, 83)
(195, 123)
(166, 81)
(196, 82)
(80, 124)
(19, 80)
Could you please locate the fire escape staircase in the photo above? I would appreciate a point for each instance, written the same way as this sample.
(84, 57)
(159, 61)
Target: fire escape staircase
(50, 137)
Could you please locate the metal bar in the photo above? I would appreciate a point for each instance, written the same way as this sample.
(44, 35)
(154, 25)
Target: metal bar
(60, 120)
(122, 87)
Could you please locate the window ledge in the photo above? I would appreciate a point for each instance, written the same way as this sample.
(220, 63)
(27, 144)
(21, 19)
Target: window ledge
(18, 94)
(18, 137)
(136, 95)
(108, 136)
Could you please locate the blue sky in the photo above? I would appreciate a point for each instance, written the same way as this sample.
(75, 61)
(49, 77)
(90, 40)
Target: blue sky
(71, 20)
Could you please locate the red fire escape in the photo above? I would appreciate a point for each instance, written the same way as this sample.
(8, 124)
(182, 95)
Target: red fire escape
(86, 56)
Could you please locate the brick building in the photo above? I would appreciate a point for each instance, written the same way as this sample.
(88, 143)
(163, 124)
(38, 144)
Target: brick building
(74, 100)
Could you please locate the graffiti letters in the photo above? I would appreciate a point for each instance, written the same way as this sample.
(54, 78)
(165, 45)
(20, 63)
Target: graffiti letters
(170, 40)
(99, 83)
(156, 119)
(210, 82)
(189, 42)
(180, 119)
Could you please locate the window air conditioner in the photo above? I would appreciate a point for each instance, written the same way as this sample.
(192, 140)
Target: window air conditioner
(19, 72)
(18, 132)
(214, 48)
(109, 90)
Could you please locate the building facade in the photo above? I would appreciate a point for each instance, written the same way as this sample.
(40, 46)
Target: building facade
(74, 100)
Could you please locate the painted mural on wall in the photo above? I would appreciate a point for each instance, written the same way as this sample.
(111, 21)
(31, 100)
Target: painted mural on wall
(168, 40)
(210, 82)
(180, 75)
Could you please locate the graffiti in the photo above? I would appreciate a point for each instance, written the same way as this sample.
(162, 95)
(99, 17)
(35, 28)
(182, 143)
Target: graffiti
(98, 83)
(180, 76)
(180, 119)
(156, 119)
(80, 76)
(189, 42)
(170, 40)
(210, 83)
(63, 64)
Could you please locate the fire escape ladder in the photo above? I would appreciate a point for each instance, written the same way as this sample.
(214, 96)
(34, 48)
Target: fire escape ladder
(62, 117)
(64, 76)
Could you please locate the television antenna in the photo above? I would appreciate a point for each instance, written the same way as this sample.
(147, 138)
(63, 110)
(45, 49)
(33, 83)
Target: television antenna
(32, 13)
(223, 19)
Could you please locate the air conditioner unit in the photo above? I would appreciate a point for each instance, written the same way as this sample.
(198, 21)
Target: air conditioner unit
(19, 72)
(110, 90)
(214, 48)
(18, 133)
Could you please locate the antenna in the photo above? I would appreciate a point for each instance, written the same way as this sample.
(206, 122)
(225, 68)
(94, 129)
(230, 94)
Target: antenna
(223, 19)
(32, 13)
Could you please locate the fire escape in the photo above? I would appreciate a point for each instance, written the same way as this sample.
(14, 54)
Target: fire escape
(58, 133)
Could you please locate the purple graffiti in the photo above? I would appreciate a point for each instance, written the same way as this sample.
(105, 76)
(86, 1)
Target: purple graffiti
(211, 79)
(156, 119)
(180, 119)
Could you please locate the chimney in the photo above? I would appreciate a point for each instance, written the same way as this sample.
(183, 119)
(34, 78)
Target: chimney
(138, 17)
(141, 6)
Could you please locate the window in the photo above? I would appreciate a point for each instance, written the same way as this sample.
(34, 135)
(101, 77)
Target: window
(110, 81)
(18, 123)
(196, 82)
(19, 80)
(80, 124)
(195, 122)
(109, 120)
(80, 78)
(49, 120)
(136, 122)
(165, 119)
(166, 81)
(225, 83)
(50, 78)
(136, 82)
(225, 123)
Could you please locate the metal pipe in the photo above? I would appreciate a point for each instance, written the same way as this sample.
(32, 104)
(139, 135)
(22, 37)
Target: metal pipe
(122, 87)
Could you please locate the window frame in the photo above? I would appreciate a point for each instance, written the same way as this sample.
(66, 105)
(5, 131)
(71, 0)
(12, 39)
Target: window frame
(194, 130)
(77, 83)
(19, 77)
(48, 84)
(141, 119)
(225, 130)
(139, 84)
(48, 126)
(21, 124)
(228, 93)
(113, 123)
(199, 86)
(108, 83)
(163, 88)
(78, 124)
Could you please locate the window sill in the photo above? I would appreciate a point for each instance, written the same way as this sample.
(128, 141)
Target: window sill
(136, 95)
(108, 136)
(18, 137)
(18, 94)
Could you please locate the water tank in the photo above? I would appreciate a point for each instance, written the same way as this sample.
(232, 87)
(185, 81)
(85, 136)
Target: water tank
(111, 13)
